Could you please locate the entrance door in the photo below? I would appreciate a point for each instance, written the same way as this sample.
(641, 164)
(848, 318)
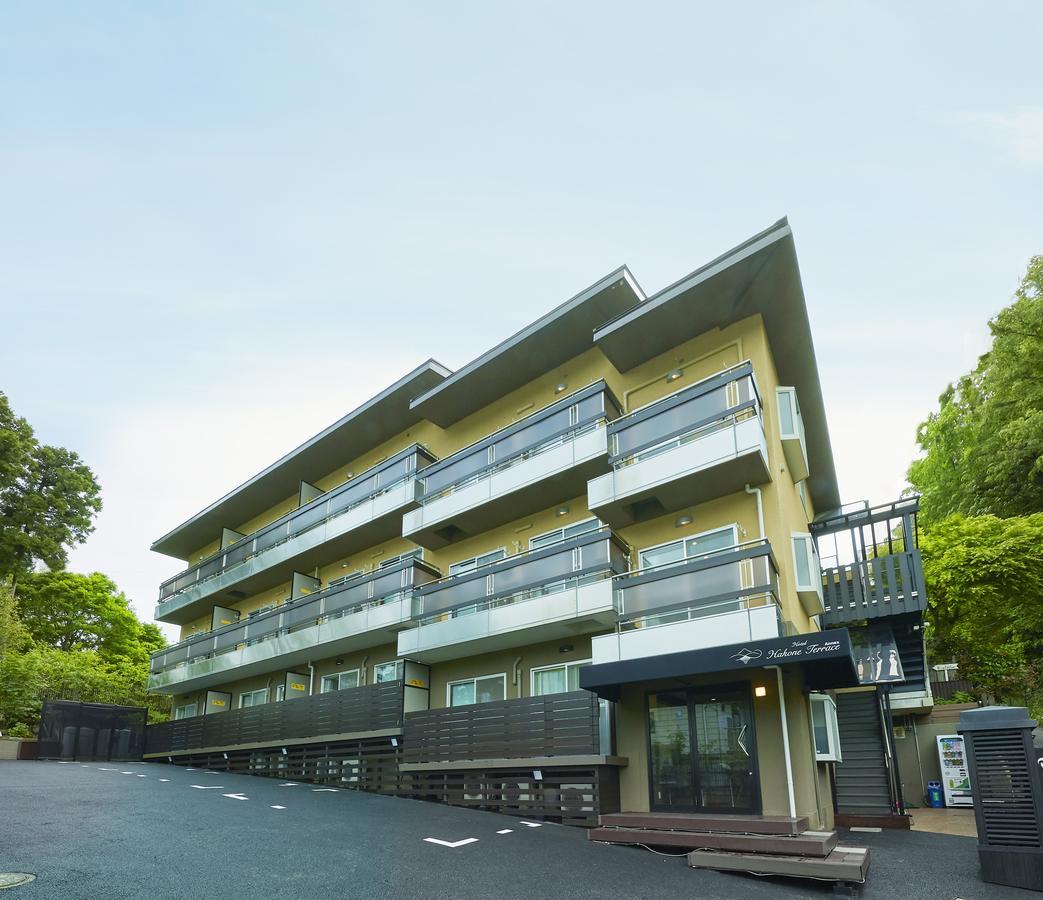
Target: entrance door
(703, 751)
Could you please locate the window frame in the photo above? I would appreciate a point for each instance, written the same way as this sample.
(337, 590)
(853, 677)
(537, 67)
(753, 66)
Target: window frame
(561, 665)
(562, 530)
(814, 567)
(449, 689)
(244, 694)
(399, 664)
(195, 711)
(833, 751)
(734, 527)
(474, 559)
(338, 676)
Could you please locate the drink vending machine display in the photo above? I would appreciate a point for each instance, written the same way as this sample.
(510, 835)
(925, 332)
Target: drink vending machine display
(956, 778)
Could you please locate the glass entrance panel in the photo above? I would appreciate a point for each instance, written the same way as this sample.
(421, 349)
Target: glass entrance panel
(670, 754)
(702, 751)
(724, 751)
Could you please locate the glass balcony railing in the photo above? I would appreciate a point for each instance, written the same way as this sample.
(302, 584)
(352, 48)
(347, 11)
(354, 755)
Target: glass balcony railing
(537, 573)
(732, 579)
(368, 590)
(379, 479)
(709, 405)
(562, 420)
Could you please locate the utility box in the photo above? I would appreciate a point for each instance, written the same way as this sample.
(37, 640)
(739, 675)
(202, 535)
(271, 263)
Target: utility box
(1008, 794)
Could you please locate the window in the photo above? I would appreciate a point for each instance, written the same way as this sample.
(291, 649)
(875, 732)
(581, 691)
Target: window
(409, 554)
(563, 534)
(253, 698)
(556, 679)
(389, 671)
(476, 562)
(184, 712)
(280, 692)
(485, 689)
(805, 564)
(338, 681)
(824, 726)
(678, 551)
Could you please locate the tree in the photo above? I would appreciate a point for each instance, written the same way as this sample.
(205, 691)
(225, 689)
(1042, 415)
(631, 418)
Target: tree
(70, 611)
(14, 637)
(985, 587)
(48, 499)
(983, 449)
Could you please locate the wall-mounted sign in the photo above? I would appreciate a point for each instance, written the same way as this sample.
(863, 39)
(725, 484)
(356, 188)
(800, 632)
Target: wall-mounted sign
(296, 685)
(217, 701)
(303, 585)
(877, 660)
(807, 646)
(223, 616)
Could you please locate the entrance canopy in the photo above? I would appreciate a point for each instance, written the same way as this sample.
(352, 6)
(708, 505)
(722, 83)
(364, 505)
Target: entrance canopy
(825, 658)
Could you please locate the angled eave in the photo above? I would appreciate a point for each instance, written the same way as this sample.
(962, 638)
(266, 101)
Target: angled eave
(375, 421)
(760, 276)
(558, 336)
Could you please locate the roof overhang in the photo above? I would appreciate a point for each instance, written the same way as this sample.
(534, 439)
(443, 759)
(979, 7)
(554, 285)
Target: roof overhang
(760, 276)
(824, 657)
(377, 420)
(560, 335)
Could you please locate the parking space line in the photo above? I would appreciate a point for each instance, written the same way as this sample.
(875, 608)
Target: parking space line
(236, 796)
(278, 807)
(505, 831)
(209, 787)
(532, 824)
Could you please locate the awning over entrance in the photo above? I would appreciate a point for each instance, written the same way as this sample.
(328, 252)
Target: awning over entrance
(825, 658)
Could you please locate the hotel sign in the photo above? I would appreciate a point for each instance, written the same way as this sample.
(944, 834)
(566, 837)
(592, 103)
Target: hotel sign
(798, 648)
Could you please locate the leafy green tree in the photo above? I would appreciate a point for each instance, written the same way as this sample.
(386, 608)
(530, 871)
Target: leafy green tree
(983, 448)
(14, 636)
(70, 611)
(985, 587)
(48, 499)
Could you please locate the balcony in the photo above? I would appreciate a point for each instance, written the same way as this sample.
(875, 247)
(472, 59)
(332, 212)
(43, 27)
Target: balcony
(554, 592)
(703, 442)
(365, 610)
(873, 588)
(527, 466)
(724, 597)
(358, 514)
(356, 711)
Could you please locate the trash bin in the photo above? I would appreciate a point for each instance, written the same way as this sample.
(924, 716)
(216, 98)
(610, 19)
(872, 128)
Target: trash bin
(1008, 794)
(934, 794)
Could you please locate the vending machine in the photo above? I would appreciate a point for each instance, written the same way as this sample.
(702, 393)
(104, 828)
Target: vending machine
(956, 777)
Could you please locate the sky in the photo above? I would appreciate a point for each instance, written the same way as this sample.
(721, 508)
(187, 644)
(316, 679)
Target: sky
(224, 225)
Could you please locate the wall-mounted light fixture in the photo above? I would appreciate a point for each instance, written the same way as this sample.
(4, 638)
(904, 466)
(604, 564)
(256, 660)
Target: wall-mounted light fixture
(339, 662)
(566, 648)
(674, 375)
(760, 691)
(681, 521)
(561, 511)
(560, 387)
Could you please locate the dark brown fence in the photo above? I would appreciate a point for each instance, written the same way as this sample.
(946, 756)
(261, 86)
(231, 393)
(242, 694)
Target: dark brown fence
(944, 690)
(554, 725)
(372, 707)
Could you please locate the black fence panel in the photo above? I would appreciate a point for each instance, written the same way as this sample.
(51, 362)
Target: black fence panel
(70, 730)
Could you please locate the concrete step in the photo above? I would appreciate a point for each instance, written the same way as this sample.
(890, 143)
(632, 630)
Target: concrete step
(842, 864)
(705, 822)
(809, 843)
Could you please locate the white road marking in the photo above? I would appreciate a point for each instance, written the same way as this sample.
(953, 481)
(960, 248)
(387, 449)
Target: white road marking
(504, 831)
(325, 791)
(164, 779)
(236, 796)
(103, 769)
(209, 787)
(140, 775)
(451, 844)
(84, 767)
(278, 807)
(289, 784)
(189, 769)
(208, 772)
(532, 824)
(126, 773)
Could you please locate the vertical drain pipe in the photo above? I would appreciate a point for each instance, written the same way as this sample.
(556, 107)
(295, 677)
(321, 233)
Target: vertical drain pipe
(785, 742)
(756, 492)
(311, 678)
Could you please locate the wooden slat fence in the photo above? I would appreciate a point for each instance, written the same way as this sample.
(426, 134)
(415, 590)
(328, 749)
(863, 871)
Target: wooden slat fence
(874, 588)
(372, 707)
(553, 725)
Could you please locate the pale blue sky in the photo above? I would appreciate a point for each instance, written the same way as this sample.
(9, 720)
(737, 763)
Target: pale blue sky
(223, 225)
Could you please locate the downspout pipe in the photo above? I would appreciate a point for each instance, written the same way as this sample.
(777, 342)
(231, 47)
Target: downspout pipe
(756, 492)
(785, 742)
(311, 678)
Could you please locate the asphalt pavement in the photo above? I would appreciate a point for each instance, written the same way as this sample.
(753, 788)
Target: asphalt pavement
(155, 831)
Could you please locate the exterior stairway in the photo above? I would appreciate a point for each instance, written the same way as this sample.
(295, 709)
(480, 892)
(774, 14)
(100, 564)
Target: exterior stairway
(765, 845)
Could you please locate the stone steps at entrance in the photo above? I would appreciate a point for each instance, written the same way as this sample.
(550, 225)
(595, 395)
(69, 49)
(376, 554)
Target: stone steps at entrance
(764, 845)
(811, 843)
(843, 864)
(733, 824)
